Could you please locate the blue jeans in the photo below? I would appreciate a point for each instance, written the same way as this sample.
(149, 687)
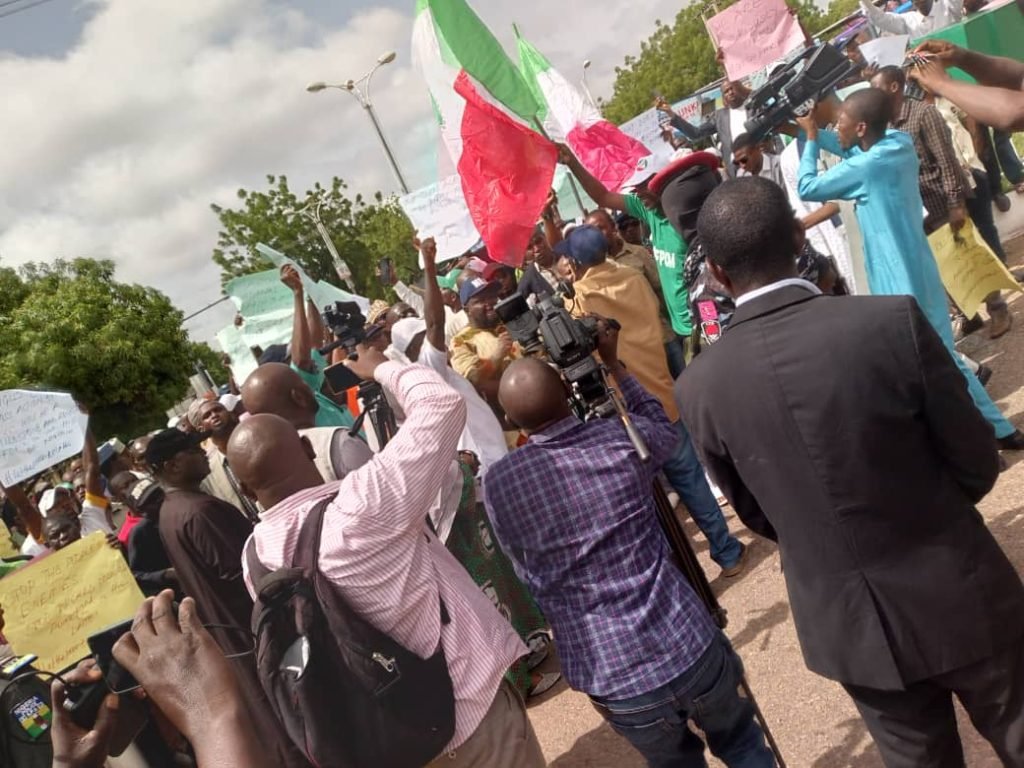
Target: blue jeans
(1013, 170)
(676, 356)
(655, 723)
(686, 475)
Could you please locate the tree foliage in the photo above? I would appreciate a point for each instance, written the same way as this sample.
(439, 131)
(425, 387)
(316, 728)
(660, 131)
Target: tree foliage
(118, 348)
(363, 232)
(678, 59)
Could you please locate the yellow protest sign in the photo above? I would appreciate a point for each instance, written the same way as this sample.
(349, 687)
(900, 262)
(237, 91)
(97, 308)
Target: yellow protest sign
(52, 605)
(969, 269)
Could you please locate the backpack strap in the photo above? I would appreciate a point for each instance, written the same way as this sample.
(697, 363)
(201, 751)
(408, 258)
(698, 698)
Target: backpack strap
(307, 549)
(257, 570)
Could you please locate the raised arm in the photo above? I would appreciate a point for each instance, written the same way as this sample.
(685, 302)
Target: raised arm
(601, 195)
(30, 517)
(315, 325)
(886, 22)
(433, 307)
(301, 342)
(999, 102)
(399, 485)
(843, 182)
(91, 465)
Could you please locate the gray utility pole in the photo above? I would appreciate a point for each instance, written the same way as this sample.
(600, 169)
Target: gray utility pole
(360, 91)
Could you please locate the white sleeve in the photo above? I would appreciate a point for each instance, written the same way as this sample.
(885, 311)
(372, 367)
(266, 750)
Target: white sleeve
(434, 359)
(410, 297)
(887, 22)
(94, 519)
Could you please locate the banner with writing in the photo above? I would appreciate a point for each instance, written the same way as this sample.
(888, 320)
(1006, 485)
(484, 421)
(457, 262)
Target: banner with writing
(646, 128)
(969, 269)
(37, 430)
(439, 211)
(754, 33)
(322, 293)
(52, 605)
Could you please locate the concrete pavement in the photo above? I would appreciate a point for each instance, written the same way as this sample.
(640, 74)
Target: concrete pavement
(814, 721)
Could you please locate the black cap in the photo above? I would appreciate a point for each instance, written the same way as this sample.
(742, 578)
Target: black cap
(169, 443)
(144, 491)
(276, 353)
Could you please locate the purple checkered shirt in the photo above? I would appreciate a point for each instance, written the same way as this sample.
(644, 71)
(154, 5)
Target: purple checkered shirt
(574, 511)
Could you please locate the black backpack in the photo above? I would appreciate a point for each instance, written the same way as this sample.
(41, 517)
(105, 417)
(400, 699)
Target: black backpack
(348, 695)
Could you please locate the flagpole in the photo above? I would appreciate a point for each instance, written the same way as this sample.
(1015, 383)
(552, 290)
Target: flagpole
(572, 182)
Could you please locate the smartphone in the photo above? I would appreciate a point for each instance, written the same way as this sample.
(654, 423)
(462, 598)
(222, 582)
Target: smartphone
(387, 271)
(118, 679)
(340, 378)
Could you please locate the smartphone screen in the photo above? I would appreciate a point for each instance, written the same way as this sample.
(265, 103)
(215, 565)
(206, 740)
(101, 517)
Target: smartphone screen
(386, 271)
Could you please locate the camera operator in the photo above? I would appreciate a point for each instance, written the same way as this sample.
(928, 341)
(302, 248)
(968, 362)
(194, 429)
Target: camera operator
(610, 290)
(377, 552)
(573, 509)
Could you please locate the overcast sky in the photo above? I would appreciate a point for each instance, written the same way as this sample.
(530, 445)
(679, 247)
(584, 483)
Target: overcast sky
(124, 119)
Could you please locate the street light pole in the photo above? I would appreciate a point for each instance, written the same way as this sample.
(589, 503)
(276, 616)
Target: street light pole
(586, 88)
(360, 91)
(343, 270)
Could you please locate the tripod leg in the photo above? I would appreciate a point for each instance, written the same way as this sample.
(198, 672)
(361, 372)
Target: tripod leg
(762, 722)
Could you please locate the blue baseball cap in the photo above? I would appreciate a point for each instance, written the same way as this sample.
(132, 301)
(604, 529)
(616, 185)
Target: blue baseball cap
(472, 287)
(584, 245)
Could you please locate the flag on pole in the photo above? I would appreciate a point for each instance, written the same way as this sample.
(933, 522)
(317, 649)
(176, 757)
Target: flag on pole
(569, 116)
(484, 107)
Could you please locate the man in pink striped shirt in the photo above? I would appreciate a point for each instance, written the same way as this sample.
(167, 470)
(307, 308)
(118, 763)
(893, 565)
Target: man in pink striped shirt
(377, 550)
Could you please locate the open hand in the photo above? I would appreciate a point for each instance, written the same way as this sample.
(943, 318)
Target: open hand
(180, 666)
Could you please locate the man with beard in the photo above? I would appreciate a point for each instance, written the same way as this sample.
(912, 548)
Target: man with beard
(482, 352)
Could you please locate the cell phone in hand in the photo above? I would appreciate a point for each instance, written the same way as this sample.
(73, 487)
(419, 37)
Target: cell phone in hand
(387, 271)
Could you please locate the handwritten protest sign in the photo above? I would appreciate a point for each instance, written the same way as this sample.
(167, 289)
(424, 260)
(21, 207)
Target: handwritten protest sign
(969, 269)
(439, 211)
(646, 128)
(754, 33)
(260, 293)
(52, 605)
(37, 430)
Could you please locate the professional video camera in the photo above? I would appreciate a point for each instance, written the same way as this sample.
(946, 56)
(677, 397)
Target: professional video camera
(569, 343)
(346, 321)
(792, 91)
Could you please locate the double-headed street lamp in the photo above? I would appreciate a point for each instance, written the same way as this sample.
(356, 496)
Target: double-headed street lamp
(360, 91)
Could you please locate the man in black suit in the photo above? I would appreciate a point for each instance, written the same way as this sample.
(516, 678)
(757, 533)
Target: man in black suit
(841, 428)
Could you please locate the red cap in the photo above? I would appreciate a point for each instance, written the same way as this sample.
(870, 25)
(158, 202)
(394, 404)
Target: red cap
(673, 169)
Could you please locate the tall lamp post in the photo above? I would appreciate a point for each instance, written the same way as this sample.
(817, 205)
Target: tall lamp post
(312, 212)
(586, 88)
(360, 91)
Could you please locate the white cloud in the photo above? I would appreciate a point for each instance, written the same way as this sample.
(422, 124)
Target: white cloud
(116, 148)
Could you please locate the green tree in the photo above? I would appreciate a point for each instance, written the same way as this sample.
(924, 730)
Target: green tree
(363, 232)
(677, 60)
(119, 348)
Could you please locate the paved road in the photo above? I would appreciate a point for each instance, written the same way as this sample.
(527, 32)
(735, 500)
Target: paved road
(814, 722)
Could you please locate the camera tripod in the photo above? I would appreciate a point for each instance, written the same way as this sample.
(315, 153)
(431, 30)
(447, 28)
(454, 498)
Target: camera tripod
(686, 559)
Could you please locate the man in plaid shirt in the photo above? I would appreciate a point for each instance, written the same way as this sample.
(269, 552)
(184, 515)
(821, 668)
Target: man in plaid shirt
(574, 511)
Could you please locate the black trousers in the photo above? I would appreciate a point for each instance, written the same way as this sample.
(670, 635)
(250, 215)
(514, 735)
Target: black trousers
(916, 728)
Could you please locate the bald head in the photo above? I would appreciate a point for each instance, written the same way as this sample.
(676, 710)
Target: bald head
(533, 394)
(275, 388)
(271, 460)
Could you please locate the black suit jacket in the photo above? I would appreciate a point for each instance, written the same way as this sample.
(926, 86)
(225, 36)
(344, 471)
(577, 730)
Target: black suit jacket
(841, 427)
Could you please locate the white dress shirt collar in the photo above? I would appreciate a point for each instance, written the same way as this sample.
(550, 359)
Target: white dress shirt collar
(796, 281)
